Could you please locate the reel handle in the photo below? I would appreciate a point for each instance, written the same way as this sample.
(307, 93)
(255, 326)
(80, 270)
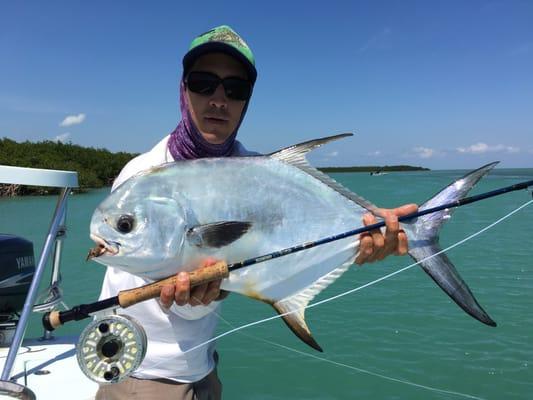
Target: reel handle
(207, 274)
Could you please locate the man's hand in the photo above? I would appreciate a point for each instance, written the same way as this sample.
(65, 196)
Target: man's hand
(375, 246)
(182, 293)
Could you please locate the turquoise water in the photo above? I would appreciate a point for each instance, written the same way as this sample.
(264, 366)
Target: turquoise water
(403, 329)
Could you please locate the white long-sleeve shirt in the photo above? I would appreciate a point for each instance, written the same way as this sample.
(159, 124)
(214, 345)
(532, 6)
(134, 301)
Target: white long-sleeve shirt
(171, 332)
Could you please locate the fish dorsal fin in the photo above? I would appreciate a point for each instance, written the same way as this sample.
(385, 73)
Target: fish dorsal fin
(296, 153)
(295, 305)
(295, 156)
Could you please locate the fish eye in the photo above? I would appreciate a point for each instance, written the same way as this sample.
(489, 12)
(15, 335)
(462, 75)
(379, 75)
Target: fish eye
(125, 223)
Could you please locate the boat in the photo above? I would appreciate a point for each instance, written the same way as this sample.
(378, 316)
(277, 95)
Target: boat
(378, 172)
(44, 367)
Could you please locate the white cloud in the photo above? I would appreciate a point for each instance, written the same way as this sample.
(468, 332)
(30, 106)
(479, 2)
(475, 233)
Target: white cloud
(424, 152)
(512, 149)
(73, 120)
(481, 148)
(62, 138)
(375, 153)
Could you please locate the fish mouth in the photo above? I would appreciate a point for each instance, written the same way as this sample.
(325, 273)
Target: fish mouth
(102, 247)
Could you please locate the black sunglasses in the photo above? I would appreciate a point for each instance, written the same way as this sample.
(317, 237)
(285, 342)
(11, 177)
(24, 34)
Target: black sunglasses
(206, 83)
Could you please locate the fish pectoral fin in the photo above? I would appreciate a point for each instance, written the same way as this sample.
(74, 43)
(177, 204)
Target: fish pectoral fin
(217, 234)
(292, 310)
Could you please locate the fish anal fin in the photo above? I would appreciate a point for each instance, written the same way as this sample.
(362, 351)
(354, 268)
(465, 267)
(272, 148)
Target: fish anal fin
(292, 307)
(294, 316)
(217, 234)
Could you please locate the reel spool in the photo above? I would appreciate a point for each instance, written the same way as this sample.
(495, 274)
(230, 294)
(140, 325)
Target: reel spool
(111, 348)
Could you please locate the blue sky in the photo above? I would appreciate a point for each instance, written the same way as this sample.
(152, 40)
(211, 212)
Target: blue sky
(442, 84)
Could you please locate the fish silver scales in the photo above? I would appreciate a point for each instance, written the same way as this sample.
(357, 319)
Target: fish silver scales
(284, 205)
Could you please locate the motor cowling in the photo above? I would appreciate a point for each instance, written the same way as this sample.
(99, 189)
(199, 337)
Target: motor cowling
(17, 266)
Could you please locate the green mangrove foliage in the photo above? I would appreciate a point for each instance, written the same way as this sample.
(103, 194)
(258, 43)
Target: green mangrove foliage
(96, 167)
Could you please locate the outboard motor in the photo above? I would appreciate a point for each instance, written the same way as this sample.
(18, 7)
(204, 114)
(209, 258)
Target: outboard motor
(17, 266)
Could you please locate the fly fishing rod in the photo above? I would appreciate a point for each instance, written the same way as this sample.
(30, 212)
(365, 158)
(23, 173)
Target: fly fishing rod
(221, 270)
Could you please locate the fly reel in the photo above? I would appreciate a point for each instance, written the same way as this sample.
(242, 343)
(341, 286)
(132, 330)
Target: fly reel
(111, 348)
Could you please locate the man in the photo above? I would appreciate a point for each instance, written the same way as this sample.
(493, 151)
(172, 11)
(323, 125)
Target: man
(217, 83)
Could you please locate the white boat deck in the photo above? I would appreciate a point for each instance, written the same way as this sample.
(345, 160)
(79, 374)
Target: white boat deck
(52, 371)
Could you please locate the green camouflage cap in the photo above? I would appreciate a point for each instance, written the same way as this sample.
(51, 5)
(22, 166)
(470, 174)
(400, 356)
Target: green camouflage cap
(221, 39)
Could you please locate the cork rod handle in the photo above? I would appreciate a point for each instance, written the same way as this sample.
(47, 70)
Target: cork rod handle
(204, 275)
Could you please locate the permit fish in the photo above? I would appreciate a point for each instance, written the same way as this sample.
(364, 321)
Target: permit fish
(171, 217)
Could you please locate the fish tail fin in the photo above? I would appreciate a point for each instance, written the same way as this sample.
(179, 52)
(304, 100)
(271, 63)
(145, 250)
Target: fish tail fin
(292, 308)
(423, 236)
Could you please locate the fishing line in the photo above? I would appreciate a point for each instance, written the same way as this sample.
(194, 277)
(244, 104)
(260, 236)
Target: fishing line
(248, 325)
(339, 364)
(361, 370)
(239, 328)
(364, 371)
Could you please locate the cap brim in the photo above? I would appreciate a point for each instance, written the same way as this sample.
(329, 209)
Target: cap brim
(218, 47)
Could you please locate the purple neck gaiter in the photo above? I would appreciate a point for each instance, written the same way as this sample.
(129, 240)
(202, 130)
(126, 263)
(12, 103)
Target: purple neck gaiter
(187, 143)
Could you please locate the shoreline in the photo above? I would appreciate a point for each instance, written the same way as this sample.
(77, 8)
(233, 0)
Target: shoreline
(13, 190)
(374, 168)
